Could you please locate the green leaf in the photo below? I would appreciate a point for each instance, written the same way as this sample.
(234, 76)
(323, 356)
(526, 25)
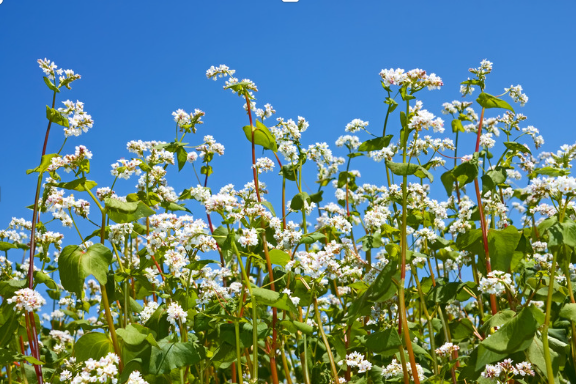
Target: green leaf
(375, 144)
(171, 356)
(279, 257)
(380, 289)
(298, 200)
(535, 354)
(488, 101)
(93, 345)
(135, 334)
(569, 312)
(551, 171)
(562, 234)
(294, 326)
(392, 104)
(51, 85)
(79, 185)
(42, 278)
(170, 206)
(4, 246)
(501, 244)
(75, 266)
(517, 147)
(273, 299)
(457, 126)
(262, 136)
(56, 117)
(126, 212)
(383, 340)
(270, 207)
(182, 157)
(463, 173)
(445, 293)
(473, 82)
(517, 334)
(311, 238)
(405, 169)
(44, 163)
(316, 197)
(493, 178)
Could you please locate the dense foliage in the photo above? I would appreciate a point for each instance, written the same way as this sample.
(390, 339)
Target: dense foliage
(354, 283)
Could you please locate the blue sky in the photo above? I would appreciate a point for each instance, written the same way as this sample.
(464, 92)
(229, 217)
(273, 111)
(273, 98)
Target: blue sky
(142, 60)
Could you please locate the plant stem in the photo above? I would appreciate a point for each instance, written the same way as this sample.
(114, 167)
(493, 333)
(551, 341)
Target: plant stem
(404, 247)
(325, 340)
(254, 314)
(545, 344)
(273, 367)
(493, 305)
(238, 355)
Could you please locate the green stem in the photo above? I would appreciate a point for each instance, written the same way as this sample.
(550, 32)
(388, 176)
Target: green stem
(404, 247)
(254, 314)
(547, 357)
(325, 340)
(238, 355)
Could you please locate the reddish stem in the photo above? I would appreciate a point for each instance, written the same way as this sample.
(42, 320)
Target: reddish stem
(493, 305)
(273, 367)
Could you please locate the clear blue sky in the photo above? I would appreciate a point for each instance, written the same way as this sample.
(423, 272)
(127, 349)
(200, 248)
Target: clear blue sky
(142, 60)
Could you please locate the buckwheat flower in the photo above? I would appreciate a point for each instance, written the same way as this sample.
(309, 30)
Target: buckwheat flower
(200, 193)
(356, 125)
(266, 112)
(394, 369)
(65, 375)
(220, 71)
(210, 147)
(451, 108)
(249, 238)
(496, 282)
(487, 141)
(295, 300)
(539, 246)
(176, 313)
(124, 168)
(69, 77)
(181, 117)
(104, 192)
(27, 300)
(352, 142)
(264, 164)
(425, 120)
(484, 69)
(376, 217)
(491, 372)
(516, 94)
(78, 120)
(136, 378)
(48, 67)
(524, 368)
(447, 349)
(356, 360)
(466, 89)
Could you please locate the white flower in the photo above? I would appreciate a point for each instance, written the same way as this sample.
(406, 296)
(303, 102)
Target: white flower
(136, 378)
(516, 94)
(27, 299)
(356, 125)
(447, 349)
(249, 238)
(264, 164)
(149, 309)
(176, 313)
(496, 282)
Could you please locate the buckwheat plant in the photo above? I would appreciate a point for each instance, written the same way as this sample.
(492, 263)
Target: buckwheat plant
(457, 266)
